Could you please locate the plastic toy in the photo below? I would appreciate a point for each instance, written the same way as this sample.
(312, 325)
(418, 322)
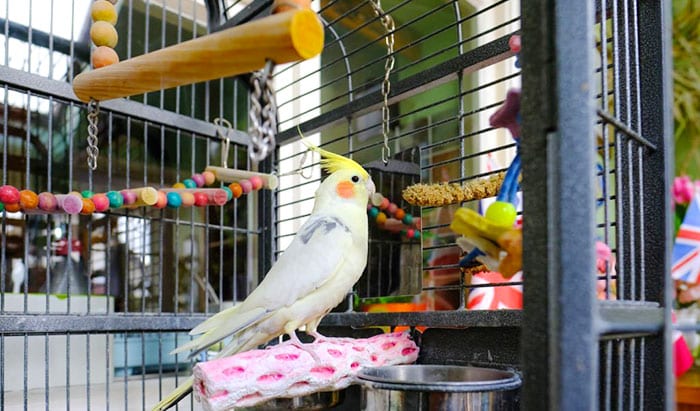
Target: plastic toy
(492, 238)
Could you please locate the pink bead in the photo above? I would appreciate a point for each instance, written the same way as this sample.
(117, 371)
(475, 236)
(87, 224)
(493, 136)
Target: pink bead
(410, 233)
(384, 204)
(47, 201)
(369, 206)
(198, 179)
(514, 43)
(101, 202)
(209, 177)
(392, 208)
(257, 182)
(246, 185)
(9, 195)
(129, 197)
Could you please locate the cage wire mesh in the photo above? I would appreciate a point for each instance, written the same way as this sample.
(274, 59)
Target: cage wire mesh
(92, 305)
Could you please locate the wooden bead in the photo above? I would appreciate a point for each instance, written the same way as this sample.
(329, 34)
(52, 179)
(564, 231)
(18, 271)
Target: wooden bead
(103, 10)
(101, 202)
(28, 200)
(104, 56)
(256, 181)
(9, 195)
(198, 179)
(88, 207)
(48, 202)
(236, 189)
(209, 177)
(103, 34)
(187, 199)
(162, 200)
(246, 185)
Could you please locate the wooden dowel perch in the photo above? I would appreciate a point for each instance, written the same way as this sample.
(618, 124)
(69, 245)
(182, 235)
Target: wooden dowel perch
(283, 38)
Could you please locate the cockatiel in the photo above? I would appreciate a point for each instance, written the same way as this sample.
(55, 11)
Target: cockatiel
(325, 259)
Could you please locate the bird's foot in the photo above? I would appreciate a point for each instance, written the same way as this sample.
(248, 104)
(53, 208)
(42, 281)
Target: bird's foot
(294, 340)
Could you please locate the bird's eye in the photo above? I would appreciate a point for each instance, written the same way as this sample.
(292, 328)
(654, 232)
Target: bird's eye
(355, 179)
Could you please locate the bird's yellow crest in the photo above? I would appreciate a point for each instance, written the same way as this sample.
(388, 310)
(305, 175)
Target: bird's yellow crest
(332, 162)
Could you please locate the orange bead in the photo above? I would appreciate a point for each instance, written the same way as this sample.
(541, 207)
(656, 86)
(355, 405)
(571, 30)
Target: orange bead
(400, 214)
(187, 199)
(236, 189)
(209, 177)
(12, 208)
(381, 218)
(104, 56)
(28, 199)
(88, 207)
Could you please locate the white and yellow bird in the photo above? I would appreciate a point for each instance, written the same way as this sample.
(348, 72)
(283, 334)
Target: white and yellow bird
(313, 275)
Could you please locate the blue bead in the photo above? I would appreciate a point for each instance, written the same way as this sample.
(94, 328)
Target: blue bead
(174, 200)
(229, 193)
(116, 199)
(373, 212)
(189, 183)
(408, 219)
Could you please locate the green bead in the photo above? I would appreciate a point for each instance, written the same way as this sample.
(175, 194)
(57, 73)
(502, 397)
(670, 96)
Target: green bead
(373, 212)
(2, 207)
(229, 193)
(116, 199)
(87, 194)
(189, 183)
(416, 234)
(502, 213)
(408, 219)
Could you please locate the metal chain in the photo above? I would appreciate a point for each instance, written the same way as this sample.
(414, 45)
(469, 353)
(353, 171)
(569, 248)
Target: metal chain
(226, 125)
(263, 114)
(92, 150)
(388, 24)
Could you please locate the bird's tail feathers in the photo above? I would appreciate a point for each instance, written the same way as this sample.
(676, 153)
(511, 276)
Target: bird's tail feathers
(229, 325)
(175, 396)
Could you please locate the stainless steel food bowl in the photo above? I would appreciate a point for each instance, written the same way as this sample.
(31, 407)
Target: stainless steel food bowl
(439, 388)
(316, 401)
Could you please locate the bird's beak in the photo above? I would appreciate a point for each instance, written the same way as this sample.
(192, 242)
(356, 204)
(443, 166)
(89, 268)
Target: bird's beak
(371, 189)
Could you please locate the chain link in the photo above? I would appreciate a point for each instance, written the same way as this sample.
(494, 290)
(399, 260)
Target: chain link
(92, 150)
(388, 24)
(263, 114)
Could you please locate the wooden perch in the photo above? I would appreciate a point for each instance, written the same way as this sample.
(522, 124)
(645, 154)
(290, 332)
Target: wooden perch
(285, 370)
(283, 38)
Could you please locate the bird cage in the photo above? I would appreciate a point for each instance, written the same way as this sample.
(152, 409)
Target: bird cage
(92, 304)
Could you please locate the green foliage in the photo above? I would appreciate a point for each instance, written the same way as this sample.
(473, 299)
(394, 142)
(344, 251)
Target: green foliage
(686, 86)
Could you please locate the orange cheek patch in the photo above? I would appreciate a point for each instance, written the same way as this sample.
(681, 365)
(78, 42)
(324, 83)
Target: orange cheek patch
(345, 189)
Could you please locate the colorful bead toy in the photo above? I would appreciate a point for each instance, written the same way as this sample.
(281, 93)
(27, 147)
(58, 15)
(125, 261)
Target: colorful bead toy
(391, 217)
(187, 193)
(103, 34)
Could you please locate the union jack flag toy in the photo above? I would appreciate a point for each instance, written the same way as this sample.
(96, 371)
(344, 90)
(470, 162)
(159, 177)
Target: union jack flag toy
(686, 249)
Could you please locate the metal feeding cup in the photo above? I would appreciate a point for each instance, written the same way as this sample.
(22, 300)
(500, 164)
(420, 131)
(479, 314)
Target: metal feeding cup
(439, 388)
